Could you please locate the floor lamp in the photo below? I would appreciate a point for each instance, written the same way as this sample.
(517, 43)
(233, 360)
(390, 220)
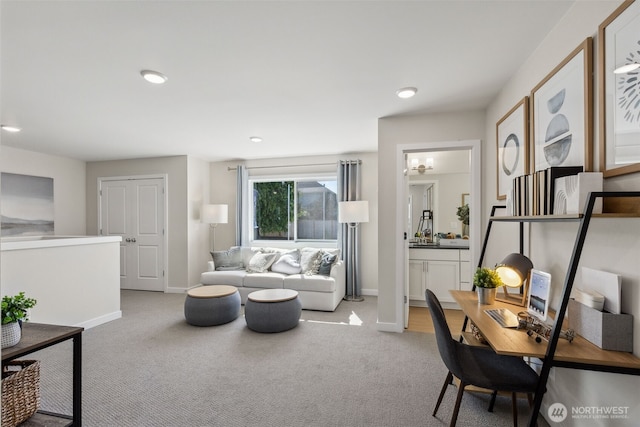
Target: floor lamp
(214, 215)
(353, 213)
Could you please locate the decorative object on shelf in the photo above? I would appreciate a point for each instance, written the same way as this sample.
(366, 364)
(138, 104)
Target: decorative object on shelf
(572, 192)
(214, 215)
(14, 311)
(353, 213)
(512, 139)
(562, 113)
(618, 46)
(514, 272)
(486, 282)
(20, 391)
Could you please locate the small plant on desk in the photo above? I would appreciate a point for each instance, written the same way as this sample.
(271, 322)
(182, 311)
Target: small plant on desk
(486, 281)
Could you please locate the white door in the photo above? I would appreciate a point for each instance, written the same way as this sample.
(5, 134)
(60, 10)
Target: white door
(135, 210)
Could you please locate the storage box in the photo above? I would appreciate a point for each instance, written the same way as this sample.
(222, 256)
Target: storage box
(606, 330)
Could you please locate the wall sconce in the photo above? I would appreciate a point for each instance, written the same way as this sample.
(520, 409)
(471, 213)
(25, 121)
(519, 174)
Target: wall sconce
(422, 167)
(214, 215)
(514, 272)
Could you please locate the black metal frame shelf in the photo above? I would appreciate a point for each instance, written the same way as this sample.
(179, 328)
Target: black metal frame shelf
(584, 220)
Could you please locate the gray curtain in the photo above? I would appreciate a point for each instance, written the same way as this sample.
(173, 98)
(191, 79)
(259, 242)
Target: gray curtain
(242, 177)
(349, 190)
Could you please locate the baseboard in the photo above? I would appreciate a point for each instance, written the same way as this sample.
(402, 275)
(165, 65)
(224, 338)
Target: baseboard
(369, 292)
(180, 290)
(100, 320)
(389, 327)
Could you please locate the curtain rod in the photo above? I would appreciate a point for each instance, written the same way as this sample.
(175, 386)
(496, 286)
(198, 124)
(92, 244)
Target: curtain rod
(229, 168)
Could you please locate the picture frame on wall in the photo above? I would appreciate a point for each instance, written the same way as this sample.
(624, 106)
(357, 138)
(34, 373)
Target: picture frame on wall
(619, 45)
(512, 143)
(562, 113)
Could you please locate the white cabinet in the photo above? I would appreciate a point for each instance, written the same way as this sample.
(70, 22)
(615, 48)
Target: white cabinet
(439, 270)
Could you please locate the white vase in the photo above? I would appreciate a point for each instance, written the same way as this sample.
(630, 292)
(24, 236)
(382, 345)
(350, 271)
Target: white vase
(11, 334)
(486, 296)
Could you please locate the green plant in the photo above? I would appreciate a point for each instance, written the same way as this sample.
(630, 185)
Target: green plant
(15, 308)
(486, 278)
(463, 214)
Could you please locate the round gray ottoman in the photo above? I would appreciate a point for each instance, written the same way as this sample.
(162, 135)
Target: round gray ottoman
(272, 310)
(212, 305)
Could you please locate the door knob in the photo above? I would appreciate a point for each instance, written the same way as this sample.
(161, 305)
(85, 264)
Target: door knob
(133, 239)
(127, 239)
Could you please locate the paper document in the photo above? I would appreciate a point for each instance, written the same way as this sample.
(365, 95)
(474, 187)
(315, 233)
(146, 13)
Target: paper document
(605, 283)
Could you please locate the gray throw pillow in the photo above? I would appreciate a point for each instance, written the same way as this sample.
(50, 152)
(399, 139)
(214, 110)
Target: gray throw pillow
(228, 260)
(326, 262)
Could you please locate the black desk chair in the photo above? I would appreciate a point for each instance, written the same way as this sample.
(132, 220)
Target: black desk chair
(478, 366)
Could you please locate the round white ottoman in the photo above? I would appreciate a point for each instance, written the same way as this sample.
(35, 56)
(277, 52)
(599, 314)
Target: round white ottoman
(272, 310)
(212, 305)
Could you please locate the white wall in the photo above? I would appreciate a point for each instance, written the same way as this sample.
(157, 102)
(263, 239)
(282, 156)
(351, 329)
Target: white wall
(177, 193)
(69, 196)
(198, 233)
(611, 245)
(223, 190)
(401, 130)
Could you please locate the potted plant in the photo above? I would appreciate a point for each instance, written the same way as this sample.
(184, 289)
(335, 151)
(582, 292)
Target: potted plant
(14, 311)
(463, 216)
(486, 281)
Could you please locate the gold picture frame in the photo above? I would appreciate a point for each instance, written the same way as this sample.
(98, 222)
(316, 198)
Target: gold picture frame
(512, 147)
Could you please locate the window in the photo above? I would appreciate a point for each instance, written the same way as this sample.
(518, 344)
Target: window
(294, 209)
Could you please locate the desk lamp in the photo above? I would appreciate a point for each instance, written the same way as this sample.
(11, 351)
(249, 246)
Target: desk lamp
(514, 272)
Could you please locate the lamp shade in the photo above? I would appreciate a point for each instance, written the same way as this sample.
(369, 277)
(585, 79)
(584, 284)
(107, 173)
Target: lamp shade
(214, 214)
(514, 269)
(353, 212)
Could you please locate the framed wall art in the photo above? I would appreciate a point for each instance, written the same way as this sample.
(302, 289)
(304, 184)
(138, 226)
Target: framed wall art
(512, 139)
(562, 115)
(27, 205)
(619, 88)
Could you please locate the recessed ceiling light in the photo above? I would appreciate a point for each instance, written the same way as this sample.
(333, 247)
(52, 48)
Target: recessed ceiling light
(153, 76)
(406, 92)
(255, 139)
(626, 68)
(11, 128)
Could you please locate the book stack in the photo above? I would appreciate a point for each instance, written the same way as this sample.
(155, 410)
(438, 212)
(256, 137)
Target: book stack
(533, 194)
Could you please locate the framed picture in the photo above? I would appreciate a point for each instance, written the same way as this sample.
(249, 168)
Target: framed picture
(512, 139)
(466, 200)
(562, 114)
(618, 46)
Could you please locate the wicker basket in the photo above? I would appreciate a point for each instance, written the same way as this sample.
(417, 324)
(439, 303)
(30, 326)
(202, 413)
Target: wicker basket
(20, 391)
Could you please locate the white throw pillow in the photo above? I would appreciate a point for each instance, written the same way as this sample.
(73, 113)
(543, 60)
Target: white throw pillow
(287, 264)
(261, 262)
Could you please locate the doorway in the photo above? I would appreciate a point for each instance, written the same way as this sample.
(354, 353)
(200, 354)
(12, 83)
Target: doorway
(472, 151)
(135, 209)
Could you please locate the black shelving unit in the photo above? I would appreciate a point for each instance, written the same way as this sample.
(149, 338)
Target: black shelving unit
(584, 220)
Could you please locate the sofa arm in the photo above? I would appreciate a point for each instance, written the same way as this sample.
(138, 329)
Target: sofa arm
(211, 266)
(339, 275)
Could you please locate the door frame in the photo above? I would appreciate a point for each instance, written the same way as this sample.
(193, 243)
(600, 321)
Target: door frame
(165, 207)
(475, 218)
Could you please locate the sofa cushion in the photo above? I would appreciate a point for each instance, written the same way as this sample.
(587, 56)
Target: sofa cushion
(228, 260)
(326, 262)
(310, 260)
(286, 264)
(268, 280)
(230, 277)
(303, 282)
(261, 262)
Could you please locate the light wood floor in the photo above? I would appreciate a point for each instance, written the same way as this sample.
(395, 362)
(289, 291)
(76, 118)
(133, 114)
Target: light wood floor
(420, 320)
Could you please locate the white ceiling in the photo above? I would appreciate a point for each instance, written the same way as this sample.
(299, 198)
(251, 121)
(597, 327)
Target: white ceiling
(309, 77)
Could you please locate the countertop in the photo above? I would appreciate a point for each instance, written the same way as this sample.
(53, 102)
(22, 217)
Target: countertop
(434, 246)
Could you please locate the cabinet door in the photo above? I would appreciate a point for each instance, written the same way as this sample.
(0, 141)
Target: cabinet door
(416, 280)
(441, 277)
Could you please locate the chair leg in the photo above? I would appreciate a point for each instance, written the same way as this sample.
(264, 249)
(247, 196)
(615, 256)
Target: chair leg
(530, 399)
(447, 381)
(514, 403)
(456, 408)
(493, 400)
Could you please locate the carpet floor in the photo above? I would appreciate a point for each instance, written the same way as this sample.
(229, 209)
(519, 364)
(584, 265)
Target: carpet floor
(150, 368)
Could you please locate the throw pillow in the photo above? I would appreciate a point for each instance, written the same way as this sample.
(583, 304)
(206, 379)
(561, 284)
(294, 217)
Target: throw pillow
(228, 260)
(308, 258)
(326, 262)
(287, 264)
(314, 266)
(261, 262)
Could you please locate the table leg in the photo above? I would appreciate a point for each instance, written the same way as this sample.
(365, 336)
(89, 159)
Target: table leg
(77, 380)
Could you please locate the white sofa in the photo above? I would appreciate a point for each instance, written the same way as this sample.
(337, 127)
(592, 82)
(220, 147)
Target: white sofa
(316, 291)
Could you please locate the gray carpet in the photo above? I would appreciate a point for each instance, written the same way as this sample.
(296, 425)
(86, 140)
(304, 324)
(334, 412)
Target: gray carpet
(151, 368)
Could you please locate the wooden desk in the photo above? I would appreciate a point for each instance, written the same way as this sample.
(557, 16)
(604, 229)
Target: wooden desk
(37, 336)
(516, 342)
